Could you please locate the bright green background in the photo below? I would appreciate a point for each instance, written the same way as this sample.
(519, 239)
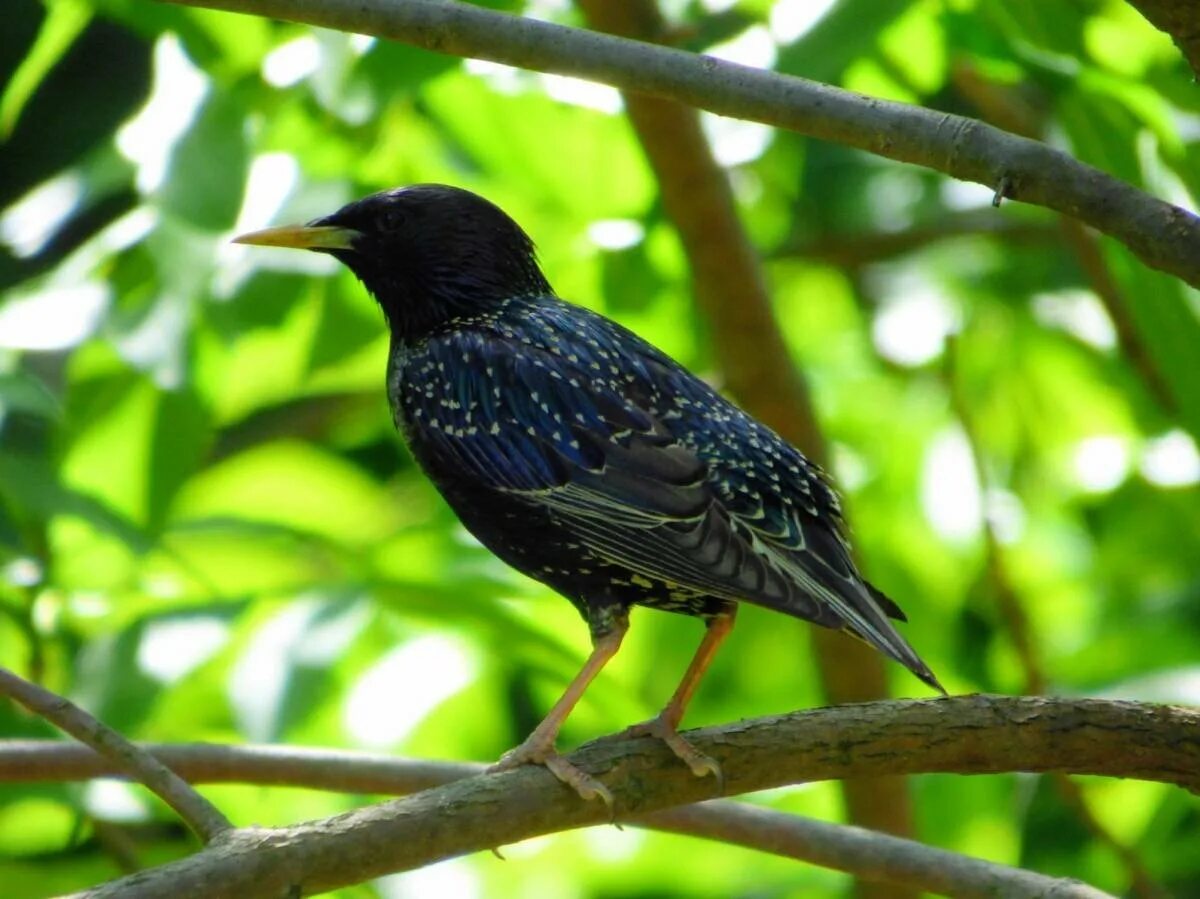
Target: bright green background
(209, 530)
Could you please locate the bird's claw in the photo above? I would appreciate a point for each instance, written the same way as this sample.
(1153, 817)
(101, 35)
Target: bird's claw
(584, 784)
(702, 765)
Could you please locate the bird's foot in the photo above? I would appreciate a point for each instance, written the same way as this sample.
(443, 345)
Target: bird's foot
(701, 764)
(543, 753)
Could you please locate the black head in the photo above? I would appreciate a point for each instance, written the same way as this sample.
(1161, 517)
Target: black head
(427, 253)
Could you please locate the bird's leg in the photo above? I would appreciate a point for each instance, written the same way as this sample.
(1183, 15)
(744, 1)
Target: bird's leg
(538, 748)
(665, 725)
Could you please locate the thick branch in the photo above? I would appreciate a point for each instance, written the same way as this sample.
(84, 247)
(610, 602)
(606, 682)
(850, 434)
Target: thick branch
(967, 734)
(863, 853)
(196, 811)
(1162, 235)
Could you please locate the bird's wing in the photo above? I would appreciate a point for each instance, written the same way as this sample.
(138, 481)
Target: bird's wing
(694, 493)
(599, 450)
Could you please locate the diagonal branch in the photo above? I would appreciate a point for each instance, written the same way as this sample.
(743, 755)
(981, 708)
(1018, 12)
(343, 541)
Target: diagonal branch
(875, 857)
(130, 759)
(968, 734)
(1162, 235)
(854, 250)
(867, 855)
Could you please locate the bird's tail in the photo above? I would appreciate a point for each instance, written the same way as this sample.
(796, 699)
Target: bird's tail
(874, 628)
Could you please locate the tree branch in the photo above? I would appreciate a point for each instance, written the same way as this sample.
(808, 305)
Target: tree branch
(197, 812)
(853, 250)
(966, 734)
(865, 854)
(1162, 235)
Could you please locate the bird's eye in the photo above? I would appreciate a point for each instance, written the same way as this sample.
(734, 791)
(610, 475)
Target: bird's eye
(391, 219)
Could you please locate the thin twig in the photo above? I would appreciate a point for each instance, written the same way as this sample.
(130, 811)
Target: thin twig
(857, 249)
(867, 855)
(197, 812)
(1162, 235)
(863, 853)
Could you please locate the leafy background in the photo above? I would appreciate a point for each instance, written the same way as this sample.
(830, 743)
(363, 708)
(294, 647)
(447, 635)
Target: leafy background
(209, 530)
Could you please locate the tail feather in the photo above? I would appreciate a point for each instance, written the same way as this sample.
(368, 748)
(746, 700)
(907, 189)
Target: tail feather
(884, 637)
(885, 602)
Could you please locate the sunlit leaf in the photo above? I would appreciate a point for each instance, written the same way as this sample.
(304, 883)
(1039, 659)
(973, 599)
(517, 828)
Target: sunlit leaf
(64, 22)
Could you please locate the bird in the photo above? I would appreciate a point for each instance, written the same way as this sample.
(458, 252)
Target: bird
(587, 458)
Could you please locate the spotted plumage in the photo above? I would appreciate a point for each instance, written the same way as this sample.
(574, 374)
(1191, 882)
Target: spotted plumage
(578, 452)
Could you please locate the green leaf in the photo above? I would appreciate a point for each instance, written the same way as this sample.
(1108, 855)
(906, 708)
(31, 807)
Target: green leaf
(850, 30)
(207, 173)
(65, 20)
(1166, 315)
(23, 392)
(296, 485)
(32, 485)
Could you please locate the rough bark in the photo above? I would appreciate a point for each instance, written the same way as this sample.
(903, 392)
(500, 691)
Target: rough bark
(966, 735)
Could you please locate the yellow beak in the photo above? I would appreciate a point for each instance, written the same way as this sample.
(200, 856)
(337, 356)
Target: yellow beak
(303, 237)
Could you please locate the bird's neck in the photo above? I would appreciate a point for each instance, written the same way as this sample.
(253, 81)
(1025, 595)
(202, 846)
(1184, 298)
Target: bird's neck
(417, 310)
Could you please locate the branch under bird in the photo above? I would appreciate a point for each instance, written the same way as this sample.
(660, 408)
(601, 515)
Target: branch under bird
(584, 456)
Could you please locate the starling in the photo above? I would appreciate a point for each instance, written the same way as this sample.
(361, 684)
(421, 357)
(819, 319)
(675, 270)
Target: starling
(584, 456)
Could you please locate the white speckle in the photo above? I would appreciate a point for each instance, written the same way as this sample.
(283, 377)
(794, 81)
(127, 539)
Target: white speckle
(170, 648)
(54, 318)
(28, 224)
(792, 19)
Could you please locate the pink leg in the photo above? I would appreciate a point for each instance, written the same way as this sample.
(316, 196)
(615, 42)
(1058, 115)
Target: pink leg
(665, 724)
(538, 748)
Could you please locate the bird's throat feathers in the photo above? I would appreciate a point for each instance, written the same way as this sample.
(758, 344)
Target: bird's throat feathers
(421, 297)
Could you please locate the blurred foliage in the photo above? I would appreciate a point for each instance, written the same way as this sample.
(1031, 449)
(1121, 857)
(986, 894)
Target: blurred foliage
(209, 530)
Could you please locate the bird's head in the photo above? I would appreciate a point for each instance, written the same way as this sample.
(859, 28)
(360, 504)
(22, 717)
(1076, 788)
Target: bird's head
(428, 253)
